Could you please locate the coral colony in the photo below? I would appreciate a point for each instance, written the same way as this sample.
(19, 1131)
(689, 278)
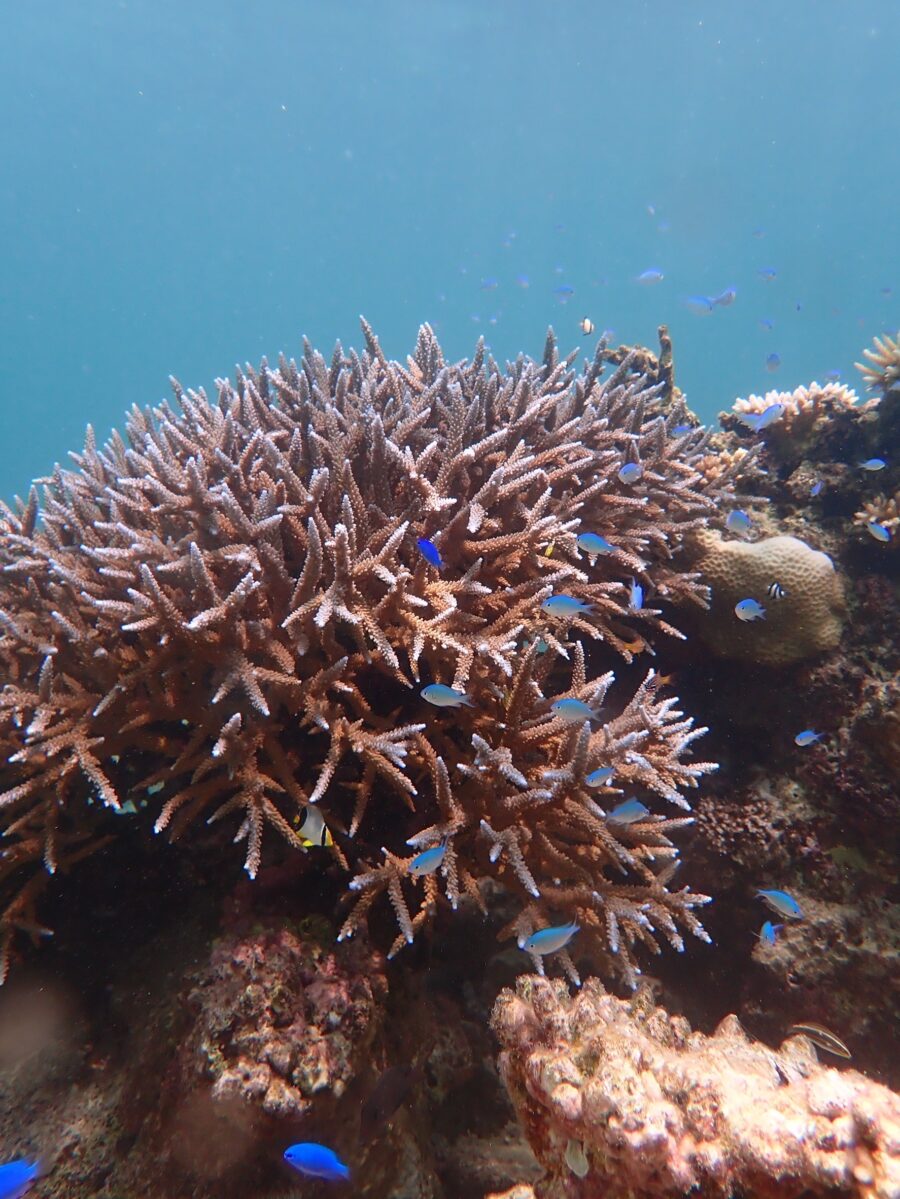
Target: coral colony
(228, 616)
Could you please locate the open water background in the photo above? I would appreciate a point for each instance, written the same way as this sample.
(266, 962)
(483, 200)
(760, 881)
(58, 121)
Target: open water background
(185, 184)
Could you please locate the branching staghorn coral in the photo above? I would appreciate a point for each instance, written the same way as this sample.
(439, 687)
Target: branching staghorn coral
(804, 408)
(881, 370)
(225, 616)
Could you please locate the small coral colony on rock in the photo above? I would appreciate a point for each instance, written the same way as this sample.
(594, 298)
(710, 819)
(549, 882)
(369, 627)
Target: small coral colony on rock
(375, 611)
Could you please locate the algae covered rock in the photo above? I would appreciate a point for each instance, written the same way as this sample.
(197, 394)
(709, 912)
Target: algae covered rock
(806, 621)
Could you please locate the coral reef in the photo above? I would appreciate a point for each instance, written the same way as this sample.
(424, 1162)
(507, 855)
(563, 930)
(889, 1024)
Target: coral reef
(881, 370)
(809, 624)
(226, 617)
(659, 1110)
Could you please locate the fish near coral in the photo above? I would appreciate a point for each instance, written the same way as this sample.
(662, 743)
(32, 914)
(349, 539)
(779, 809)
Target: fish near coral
(573, 711)
(600, 777)
(749, 609)
(878, 531)
(738, 522)
(16, 1178)
(630, 472)
(782, 904)
(628, 812)
(445, 697)
(316, 1161)
(768, 934)
(428, 861)
(593, 544)
(550, 940)
(563, 606)
(313, 830)
(430, 552)
(807, 737)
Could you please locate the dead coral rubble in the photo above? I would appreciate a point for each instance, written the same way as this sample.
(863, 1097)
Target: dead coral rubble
(225, 617)
(658, 1110)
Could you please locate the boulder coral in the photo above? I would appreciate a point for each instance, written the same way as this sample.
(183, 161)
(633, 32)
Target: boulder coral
(807, 621)
(620, 1099)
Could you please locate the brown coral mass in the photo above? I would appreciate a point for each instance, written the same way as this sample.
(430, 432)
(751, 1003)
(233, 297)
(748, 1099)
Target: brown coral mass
(224, 617)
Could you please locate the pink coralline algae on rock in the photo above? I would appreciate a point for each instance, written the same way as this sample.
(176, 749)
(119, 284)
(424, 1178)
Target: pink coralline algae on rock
(654, 1109)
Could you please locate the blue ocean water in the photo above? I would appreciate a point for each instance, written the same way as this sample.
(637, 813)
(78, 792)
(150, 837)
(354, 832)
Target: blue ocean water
(185, 186)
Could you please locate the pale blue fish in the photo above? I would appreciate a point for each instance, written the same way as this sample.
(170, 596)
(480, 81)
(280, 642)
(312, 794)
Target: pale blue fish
(430, 552)
(652, 275)
(636, 596)
(873, 464)
(700, 305)
(768, 273)
(427, 861)
(782, 904)
(551, 940)
(878, 531)
(523, 281)
(443, 696)
(593, 543)
(630, 472)
(738, 522)
(773, 362)
(807, 737)
(761, 420)
(749, 609)
(565, 605)
(768, 934)
(833, 376)
(816, 488)
(766, 322)
(489, 283)
(573, 711)
(628, 812)
(600, 777)
(726, 297)
(16, 1178)
(564, 292)
(316, 1161)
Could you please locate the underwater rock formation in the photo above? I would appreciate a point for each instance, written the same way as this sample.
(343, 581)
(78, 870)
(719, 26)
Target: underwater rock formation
(655, 1110)
(228, 616)
(809, 624)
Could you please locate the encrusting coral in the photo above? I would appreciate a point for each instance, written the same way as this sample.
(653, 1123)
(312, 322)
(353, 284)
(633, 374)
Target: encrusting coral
(619, 1099)
(226, 616)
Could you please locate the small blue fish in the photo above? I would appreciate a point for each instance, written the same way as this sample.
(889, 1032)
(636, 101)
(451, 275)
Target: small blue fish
(489, 284)
(738, 522)
(630, 472)
(768, 934)
(816, 488)
(700, 305)
(628, 812)
(427, 862)
(681, 429)
(593, 543)
(316, 1161)
(873, 464)
(766, 322)
(749, 609)
(16, 1178)
(652, 275)
(550, 940)
(565, 605)
(523, 281)
(768, 273)
(636, 596)
(807, 737)
(833, 376)
(759, 233)
(879, 532)
(782, 904)
(573, 711)
(445, 697)
(600, 777)
(430, 552)
(761, 420)
(773, 362)
(726, 297)
(564, 291)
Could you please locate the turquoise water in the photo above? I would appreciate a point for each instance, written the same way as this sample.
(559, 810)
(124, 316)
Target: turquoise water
(187, 186)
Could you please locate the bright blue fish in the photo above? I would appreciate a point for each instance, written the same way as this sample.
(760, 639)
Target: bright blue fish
(551, 940)
(782, 904)
(565, 605)
(738, 522)
(816, 488)
(600, 777)
(726, 297)
(700, 305)
(316, 1161)
(564, 291)
(749, 609)
(652, 275)
(630, 472)
(593, 543)
(636, 596)
(768, 934)
(573, 711)
(16, 1178)
(428, 861)
(430, 552)
(768, 273)
(807, 737)
(628, 812)
(879, 532)
(680, 429)
(773, 362)
(873, 464)
(445, 697)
